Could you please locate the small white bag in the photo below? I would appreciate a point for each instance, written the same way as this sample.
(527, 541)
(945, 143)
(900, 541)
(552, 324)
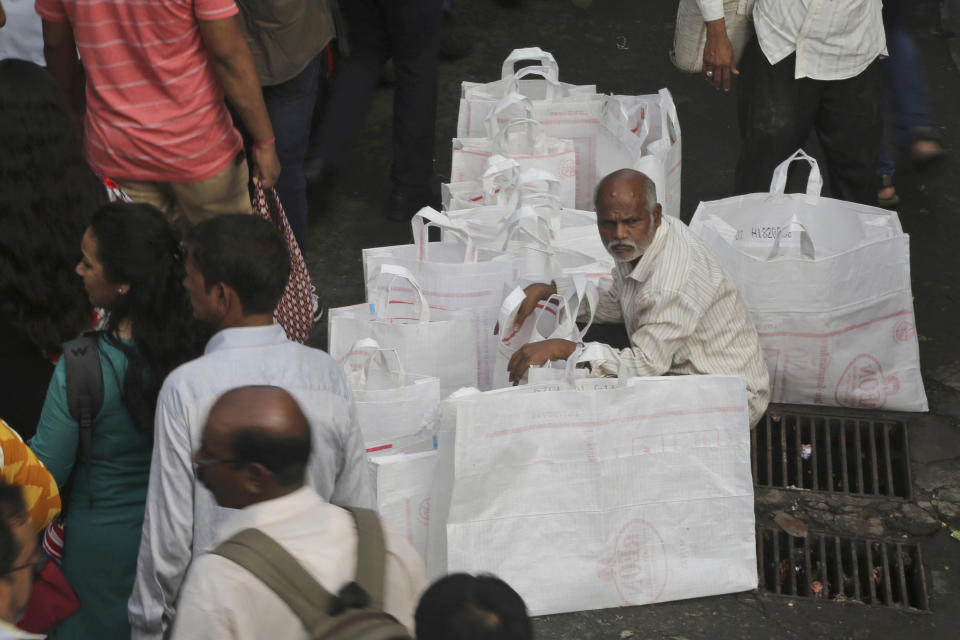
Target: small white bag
(403, 482)
(479, 99)
(392, 405)
(429, 341)
(827, 283)
(690, 36)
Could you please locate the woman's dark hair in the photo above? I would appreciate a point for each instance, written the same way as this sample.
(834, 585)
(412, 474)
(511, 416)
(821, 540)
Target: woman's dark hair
(47, 196)
(137, 246)
(465, 607)
(12, 509)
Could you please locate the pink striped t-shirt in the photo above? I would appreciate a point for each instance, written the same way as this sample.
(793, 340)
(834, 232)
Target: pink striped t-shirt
(155, 109)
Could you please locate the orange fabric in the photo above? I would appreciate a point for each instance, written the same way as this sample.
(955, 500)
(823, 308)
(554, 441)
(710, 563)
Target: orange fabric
(19, 466)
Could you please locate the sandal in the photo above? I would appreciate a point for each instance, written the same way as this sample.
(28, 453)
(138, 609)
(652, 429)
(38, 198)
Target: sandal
(930, 152)
(887, 189)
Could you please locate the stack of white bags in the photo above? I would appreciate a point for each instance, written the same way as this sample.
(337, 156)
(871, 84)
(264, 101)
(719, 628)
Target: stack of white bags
(581, 493)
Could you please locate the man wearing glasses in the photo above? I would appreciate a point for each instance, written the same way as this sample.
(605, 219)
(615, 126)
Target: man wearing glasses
(21, 560)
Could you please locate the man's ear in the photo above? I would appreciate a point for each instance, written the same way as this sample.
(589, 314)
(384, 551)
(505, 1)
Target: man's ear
(657, 215)
(256, 478)
(228, 302)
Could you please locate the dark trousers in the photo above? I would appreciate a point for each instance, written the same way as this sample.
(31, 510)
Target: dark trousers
(290, 105)
(408, 32)
(777, 113)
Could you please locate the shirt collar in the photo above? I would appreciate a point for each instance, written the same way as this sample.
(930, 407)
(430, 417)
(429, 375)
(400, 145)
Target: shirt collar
(645, 265)
(239, 337)
(253, 516)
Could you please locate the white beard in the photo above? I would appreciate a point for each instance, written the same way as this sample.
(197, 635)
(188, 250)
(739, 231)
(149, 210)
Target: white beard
(636, 254)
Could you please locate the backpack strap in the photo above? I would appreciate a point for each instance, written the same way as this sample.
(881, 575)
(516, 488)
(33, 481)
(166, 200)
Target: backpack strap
(81, 358)
(273, 565)
(371, 554)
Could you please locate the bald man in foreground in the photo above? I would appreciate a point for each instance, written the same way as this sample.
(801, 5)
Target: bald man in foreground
(683, 313)
(253, 456)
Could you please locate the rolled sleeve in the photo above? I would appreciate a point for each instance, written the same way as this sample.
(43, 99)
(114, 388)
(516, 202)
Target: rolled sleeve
(213, 9)
(710, 9)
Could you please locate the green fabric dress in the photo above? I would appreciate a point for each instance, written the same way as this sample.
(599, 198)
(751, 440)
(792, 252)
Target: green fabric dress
(102, 540)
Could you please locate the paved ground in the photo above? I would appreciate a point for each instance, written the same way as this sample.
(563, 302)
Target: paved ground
(621, 46)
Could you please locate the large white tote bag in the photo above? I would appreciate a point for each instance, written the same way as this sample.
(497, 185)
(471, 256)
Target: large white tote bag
(611, 493)
(451, 276)
(524, 141)
(827, 283)
(428, 341)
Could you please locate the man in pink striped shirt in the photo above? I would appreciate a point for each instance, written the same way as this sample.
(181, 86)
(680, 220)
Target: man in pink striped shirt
(154, 114)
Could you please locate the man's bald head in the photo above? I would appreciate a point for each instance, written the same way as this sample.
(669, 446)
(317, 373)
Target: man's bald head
(262, 437)
(628, 215)
(626, 187)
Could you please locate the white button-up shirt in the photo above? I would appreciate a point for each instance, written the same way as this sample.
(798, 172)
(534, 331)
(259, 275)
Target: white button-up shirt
(833, 39)
(684, 316)
(181, 514)
(222, 600)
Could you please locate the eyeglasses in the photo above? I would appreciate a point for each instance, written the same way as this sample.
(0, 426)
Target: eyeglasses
(36, 566)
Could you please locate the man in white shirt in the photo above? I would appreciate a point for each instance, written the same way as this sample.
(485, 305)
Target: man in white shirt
(813, 65)
(682, 311)
(252, 456)
(237, 268)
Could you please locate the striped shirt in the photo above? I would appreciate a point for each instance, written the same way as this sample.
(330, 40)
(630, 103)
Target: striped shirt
(155, 108)
(684, 316)
(833, 39)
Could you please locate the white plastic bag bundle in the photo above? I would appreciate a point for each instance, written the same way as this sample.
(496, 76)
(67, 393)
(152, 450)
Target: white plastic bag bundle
(498, 174)
(524, 141)
(479, 99)
(827, 283)
(643, 133)
(392, 404)
(613, 493)
(451, 276)
(429, 341)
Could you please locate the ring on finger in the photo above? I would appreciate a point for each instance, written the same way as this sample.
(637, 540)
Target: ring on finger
(709, 74)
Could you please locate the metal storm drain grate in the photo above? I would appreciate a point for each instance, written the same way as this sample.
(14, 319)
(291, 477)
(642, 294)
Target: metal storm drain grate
(832, 568)
(833, 450)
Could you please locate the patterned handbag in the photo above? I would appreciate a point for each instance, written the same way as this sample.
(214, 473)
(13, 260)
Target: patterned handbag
(295, 310)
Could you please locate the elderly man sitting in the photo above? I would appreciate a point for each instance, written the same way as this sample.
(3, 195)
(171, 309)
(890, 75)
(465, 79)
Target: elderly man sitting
(683, 313)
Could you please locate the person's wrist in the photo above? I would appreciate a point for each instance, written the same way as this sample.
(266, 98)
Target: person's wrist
(260, 144)
(716, 27)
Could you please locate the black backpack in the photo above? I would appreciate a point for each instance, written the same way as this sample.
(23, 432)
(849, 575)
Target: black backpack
(81, 359)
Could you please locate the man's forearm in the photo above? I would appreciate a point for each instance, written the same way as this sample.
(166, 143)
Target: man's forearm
(241, 85)
(60, 52)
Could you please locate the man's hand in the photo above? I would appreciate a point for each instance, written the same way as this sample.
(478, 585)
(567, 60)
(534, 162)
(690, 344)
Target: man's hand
(535, 293)
(536, 353)
(718, 64)
(266, 164)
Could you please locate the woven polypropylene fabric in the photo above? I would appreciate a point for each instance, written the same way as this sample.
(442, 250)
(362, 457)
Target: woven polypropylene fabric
(294, 312)
(690, 36)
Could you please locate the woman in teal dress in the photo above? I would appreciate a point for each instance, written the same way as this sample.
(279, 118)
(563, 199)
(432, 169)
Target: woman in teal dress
(132, 266)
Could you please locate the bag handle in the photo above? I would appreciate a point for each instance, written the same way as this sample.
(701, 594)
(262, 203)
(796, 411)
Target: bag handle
(428, 217)
(545, 59)
(512, 225)
(778, 185)
(395, 272)
(501, 138)
(670, 120)
(552, 83)
(806, 243)
(373, 352)
(499, 173)
(510, 99)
